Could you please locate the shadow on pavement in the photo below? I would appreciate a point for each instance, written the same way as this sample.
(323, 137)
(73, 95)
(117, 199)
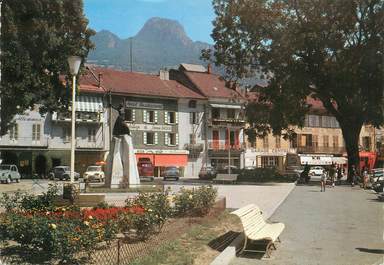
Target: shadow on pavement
(223, 241)
(373, 251)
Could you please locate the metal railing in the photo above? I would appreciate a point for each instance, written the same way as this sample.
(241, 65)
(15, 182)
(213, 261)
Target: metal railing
(223, 145)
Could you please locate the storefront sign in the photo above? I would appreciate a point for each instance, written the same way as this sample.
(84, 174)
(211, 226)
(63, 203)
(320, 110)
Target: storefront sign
(26, 118)
(320, 160)
(143, 105)
(160, 151)
(150, 127)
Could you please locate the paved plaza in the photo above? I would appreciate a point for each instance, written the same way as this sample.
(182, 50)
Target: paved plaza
(342, 226)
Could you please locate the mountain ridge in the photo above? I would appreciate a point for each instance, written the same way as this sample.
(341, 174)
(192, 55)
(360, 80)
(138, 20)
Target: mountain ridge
(160, 43)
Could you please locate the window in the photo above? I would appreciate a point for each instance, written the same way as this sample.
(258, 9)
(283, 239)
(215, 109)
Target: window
(265, 142)
(335, 141)
(315, 141)
(14, 132)
(325, 141)
(215, 113)
(269, 161)
(129, 115)
(91, 135)
(66, 134)
(171, 139)
(278, 142)
(36, 132)
(192, 104)
(231, 114)
(149, 116)
(150, 138)
(194, 118)
(171, 117)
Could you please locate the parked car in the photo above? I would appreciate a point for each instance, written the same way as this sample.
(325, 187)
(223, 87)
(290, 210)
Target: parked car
(9, 173)
(207, 173)
(146, 169)
(62, 173)
(378, 185)
(94, 173)
(316, 171)
(294, 171)
(376, 173)
(171, 173)
(234, 170)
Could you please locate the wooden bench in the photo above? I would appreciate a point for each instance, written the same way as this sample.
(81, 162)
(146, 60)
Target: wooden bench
(256, 229)
(223, 178)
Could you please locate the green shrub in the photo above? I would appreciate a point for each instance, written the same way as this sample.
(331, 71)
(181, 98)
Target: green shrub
(263, 175)
(195, 201)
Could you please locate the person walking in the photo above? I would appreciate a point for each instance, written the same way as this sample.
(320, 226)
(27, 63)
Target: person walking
(332, 174)
(323, 181)
(365, 178)
(353, 175)
(339, 175)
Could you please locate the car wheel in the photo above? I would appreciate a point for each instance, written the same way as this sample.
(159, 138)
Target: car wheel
(17, 180)
(9, 180)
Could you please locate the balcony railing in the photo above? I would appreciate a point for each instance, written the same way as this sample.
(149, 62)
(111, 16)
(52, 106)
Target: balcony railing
(321, 149)
(226, 122)
(194, 148)
(217, 145)
(89, 145)
(80, 117)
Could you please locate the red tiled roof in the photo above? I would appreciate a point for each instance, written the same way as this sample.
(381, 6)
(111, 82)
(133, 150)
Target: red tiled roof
(211, 85)
(121, 82)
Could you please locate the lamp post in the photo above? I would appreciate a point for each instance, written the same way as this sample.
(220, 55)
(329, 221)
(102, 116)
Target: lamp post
(74, 65)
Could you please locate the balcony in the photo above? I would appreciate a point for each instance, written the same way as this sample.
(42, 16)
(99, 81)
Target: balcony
(222, 145)
(88, 117)
(194, 148)
(226, 122)
(27, 142)
(321, 149)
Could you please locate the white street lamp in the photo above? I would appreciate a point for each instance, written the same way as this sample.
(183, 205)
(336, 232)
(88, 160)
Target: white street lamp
(74, 65)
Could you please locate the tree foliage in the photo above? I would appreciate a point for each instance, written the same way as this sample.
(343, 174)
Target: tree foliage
(37, 36)
(329, 50)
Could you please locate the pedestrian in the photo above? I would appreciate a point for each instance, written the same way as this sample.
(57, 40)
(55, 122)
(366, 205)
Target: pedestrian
(339, 175)
(332, 175)
(323, 181)
(353, 175)
(365, 177)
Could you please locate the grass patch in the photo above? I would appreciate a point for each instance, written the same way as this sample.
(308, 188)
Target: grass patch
(191, 245)
(143, 188)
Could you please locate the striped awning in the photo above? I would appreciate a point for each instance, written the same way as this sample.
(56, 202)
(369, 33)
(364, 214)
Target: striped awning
(89, 104)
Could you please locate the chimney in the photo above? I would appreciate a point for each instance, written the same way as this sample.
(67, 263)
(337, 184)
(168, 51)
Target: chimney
(100, 79)
(209, 68)
(164, 74)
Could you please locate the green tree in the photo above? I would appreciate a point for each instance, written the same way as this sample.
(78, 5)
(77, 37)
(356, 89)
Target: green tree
(324, 49)
(37, 36)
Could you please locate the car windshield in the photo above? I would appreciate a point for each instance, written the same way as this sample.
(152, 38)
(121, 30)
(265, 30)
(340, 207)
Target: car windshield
(5, 167)
(94, 168)
(171, 169)
(62, 169)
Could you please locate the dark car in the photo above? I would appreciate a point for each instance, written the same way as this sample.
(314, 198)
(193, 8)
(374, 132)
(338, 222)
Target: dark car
(378, 185)
(171, 173)
(146, 169)
(207, 173)
(62, 173)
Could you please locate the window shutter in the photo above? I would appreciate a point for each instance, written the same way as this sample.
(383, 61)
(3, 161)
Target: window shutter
(144, 138)
(176, 117)
(166, 138)
(177, 139)
(166, 120)
(38, 131)
(133, 115)
(156, 138)
(145, 116)
(156, 116)
(191, 117)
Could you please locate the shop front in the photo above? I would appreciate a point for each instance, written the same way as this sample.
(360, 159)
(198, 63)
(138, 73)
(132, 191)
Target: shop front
(164, 158)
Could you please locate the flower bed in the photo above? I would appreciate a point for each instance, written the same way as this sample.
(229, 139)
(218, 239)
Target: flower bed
(60, 233)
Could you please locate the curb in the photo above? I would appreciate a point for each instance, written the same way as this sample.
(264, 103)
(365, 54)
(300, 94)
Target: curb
(229, 253)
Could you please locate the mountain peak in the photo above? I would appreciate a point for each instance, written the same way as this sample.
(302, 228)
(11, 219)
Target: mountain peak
(163, 29)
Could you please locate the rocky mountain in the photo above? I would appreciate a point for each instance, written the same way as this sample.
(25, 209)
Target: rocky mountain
(160, 43)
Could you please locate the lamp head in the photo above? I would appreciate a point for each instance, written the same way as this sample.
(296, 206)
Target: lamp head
(74, 64)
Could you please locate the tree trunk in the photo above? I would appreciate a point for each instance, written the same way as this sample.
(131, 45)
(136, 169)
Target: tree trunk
(351, 133)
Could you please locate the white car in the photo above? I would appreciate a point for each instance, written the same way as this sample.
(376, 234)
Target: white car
(316, 171)
(94, 173)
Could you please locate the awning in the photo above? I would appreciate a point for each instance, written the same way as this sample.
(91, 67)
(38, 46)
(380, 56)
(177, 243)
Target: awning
(165, 160)
(316, 160)
(171, 160)
(225, 106)
(89, 104)
(339, 160)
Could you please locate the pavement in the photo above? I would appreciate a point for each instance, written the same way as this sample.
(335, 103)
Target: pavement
(342, 226)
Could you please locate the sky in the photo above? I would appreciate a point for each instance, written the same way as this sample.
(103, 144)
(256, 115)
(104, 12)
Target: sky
(126, 17)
